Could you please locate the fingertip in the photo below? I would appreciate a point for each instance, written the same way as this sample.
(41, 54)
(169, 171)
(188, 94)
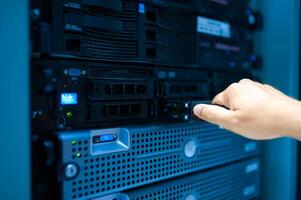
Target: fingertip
(214, 114)
(197, 109)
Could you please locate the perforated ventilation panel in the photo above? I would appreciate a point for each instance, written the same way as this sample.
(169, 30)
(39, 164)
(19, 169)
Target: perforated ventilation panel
(155, 153)
(176, 37)
(114, 44)
(231, 182)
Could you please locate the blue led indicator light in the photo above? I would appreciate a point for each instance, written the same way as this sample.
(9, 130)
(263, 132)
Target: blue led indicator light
(141, 8)
(68, 98)
(104, 138)
(249, 190)
(74, 72)
(107, 138)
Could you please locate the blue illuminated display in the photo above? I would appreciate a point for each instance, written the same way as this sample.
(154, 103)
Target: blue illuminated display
(68, 98)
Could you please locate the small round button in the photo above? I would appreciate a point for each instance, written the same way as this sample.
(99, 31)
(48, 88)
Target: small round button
(71, 170)
(190, 197)
(190, 148)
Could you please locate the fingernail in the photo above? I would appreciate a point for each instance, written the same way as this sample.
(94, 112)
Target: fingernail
(197, 109)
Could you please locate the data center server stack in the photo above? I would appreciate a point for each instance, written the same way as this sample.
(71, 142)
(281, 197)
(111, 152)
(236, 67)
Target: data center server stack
(113, 84)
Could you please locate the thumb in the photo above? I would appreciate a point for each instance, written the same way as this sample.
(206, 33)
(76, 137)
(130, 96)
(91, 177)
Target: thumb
(214, 114)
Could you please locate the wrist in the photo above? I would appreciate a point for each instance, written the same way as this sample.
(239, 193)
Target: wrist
(294, 126)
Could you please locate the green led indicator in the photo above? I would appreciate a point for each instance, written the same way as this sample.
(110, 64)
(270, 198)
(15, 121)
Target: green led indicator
(73, 142)
(78, 155)
(69, 114)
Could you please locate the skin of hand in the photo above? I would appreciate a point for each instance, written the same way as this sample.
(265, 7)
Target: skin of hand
(255, 111)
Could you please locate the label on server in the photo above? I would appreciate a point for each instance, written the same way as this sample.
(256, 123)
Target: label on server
(213, 27)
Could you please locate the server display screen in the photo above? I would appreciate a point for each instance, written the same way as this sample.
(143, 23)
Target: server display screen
(213, 27)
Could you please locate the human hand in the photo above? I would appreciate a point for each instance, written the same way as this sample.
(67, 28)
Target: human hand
(254, 111)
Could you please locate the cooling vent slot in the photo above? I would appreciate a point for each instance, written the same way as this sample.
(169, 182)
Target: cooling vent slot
(183, 90)
(118, 111)
(121, 90)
